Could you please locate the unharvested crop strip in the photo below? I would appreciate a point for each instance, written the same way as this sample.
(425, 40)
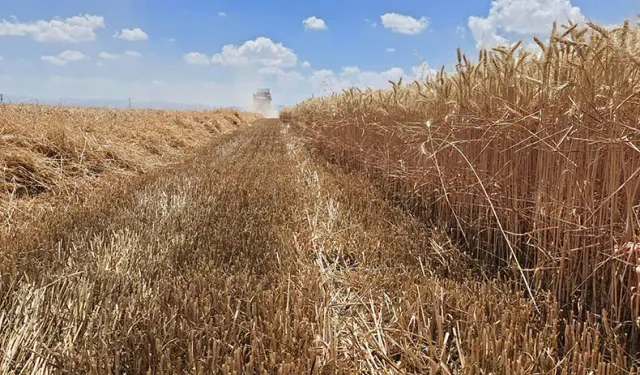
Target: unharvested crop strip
(530, 159)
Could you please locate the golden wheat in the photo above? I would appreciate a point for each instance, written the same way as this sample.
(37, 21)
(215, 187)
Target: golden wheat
(531, 160)
(48, 150)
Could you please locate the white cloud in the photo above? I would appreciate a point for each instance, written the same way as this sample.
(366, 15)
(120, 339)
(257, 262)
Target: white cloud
(326, 81)
(612, 26)
(306, 64)
(197, 58)
(65, 57)
(76, 29)
(108, 56)
(402, 24)
(132, 35)
(422, 71)
(288, 77)
(461, 31)
(314, 23)
(262, 51)
(222, 14)
(390, 50)
(117, 56)
(269, 70)
(54, 60)
(521, 17)
(349, 70)
(484, 32)
(381, 79)
(70, 55)
(370, 23)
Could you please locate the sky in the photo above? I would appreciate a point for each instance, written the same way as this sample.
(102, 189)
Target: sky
(218, 52)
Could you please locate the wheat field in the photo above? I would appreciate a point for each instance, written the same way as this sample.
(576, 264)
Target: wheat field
(479, 222)
(529, 158)
(50, 154)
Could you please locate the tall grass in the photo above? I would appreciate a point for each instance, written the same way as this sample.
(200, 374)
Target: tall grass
(532, 159)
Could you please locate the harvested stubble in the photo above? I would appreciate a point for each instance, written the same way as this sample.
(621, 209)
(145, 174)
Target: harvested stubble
(532, 160)
(50, 151)
(252, 258)
(184, 270)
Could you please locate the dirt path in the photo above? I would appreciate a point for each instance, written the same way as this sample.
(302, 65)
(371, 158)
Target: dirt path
(254, 258)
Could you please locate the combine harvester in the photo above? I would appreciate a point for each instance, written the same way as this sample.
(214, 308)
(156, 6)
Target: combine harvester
(262, 102)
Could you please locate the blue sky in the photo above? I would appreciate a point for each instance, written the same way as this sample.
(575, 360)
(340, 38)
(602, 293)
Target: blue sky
(218, 52)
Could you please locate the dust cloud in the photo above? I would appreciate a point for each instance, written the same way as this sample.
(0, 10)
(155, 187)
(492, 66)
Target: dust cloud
(271, 113)
(247, 84)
